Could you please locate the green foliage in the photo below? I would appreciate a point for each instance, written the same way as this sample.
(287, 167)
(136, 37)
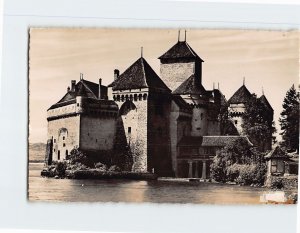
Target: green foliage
(258, 122)
(60, 169)
(289, 120)
(277, 184)
(76, 156)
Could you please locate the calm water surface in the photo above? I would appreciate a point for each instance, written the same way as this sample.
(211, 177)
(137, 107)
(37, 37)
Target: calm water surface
(47, 189)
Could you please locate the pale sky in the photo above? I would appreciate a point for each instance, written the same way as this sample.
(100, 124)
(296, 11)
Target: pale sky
(268, 59)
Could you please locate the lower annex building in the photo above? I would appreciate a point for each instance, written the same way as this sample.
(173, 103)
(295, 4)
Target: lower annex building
(168, 124)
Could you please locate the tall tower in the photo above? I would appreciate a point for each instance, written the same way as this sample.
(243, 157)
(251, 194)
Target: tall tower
(144, 104)
(237, 106)
(178, 64)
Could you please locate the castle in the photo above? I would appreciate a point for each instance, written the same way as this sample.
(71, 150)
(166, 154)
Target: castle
(167, 124)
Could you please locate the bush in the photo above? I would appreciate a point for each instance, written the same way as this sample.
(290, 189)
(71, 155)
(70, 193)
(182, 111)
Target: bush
(76, 156)
(77, 166)
(233, 172)
(101, 167)
(114, 168)
(277, 184)
(217, 170)
(60, 169)
(251, 174)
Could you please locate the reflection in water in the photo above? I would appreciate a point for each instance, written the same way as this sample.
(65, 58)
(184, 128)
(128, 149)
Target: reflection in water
(137, 191)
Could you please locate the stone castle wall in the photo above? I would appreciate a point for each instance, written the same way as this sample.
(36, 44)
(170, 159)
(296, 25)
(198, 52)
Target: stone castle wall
(135, 124)
(174, 74)
(159, 147)
(97, 133)
(65, 135)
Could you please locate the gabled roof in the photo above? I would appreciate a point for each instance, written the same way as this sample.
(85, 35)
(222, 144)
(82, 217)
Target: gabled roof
(242, 95)
(265, 101)
(82, 88)
(190, 86)
(139, 75)
(180, 50)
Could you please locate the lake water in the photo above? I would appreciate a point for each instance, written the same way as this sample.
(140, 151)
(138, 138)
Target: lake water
(49, 189)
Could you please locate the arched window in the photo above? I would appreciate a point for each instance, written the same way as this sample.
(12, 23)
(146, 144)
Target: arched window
(145, 96)
(140, 97)
(135, 97)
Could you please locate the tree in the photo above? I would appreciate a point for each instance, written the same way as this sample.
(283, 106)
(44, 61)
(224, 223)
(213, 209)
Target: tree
(239, 162)
(289, 120)
(258, 123)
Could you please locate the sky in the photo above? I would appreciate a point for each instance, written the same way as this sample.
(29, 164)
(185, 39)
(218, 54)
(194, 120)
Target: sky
(266, 59)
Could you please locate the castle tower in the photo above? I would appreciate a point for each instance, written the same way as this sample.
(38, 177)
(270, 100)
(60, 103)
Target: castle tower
(178, 64)
(83, 118)
(237, 106)
(270, 113)
(144, 104)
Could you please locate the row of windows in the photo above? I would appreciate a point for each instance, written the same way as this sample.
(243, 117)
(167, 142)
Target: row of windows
(134, 97)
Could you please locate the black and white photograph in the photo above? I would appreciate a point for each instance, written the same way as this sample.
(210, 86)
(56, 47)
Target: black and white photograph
(201, 116)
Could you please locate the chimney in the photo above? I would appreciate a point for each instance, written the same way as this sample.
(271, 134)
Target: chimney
(116, 74)
(99, 93)
(73, 83)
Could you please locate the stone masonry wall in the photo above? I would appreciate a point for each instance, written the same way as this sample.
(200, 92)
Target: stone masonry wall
(175, 74)
(97, 133)
(71, 136)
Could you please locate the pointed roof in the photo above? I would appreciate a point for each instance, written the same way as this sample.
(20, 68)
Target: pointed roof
(139, 75)
(265, 101)
(242, 95)
(180, 50)
(82, 88)
(190, 86)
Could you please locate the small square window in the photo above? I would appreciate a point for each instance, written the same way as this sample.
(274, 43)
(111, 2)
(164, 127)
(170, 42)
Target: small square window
(63, 137)
(54, 140)
(64, 144)
(129, 129)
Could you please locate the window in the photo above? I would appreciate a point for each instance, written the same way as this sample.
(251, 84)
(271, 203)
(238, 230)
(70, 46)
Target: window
(64, 144)
(63, 137)
(96, 140)
(58, 155)
(77, 104)
(129, 130)
(235, 122)
(66, 152)
(54, 140)
(53, 150)
(201, 116)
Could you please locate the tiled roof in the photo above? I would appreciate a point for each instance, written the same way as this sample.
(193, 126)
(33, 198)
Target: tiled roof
(82, 88)
(265, 101)
(222, 140)
(218, 141)
(190, 86)
(139, 75)
(180, 50)
(242, 95)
